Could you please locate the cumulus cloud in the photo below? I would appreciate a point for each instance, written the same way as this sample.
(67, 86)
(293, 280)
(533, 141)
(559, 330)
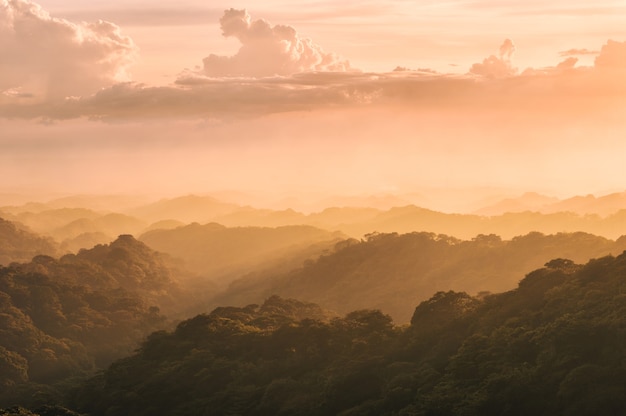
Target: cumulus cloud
(497, 66)
(267, 50)
(563, 87)
(612, 56)
(46, 58)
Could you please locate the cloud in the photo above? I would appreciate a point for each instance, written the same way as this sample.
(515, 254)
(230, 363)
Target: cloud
(497, 66)
(562, 88)
(567, 63)
(507, 49)
(420, 70)
(267, 50)
(52, 58)
(577, 52)
(612, 56)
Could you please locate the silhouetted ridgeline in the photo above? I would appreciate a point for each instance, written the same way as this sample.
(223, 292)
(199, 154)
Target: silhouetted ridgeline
(393, 272)
(65, 318)
(75, 226)
(555, 345)
(604, 205)
(412, 218)
(357, 222)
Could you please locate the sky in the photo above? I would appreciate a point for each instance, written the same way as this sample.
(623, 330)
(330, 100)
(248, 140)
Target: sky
(312, 97)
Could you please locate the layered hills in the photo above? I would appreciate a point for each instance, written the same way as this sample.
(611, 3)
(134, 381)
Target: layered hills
(554, 345)
(483, 339)
(603, 205)
(393, 272)
(76, 224)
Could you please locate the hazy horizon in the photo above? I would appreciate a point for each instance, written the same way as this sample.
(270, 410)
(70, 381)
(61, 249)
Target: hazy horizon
(303, 103)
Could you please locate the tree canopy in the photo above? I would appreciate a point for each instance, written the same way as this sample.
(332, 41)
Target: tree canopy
(553, 345)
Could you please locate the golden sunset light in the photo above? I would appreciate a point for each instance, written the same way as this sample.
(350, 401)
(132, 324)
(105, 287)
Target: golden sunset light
(372, 96)
(312, 207)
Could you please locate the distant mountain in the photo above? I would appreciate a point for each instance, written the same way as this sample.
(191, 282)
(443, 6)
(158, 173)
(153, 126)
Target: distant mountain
(109, 224)
(553, 346)
(99, 203)
(73, 227)
(27, 207)
(46, 221)
(164, 225)
(368, 201)
(412, 218)
(18, 244)
(582, 205)
(337, 217)
(84, 240)
(530, 201)
(222, 253)
(357, 222)
(329, 218)
(508, 217)
(190, 208)
(603, 205)
(248, 216)
(392, 272)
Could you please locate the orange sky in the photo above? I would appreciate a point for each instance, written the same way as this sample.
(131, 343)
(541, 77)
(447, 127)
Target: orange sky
(375, 35)
(301, 96)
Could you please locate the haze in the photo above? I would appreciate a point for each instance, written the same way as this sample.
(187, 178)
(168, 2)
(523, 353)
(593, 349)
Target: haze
(303, 99)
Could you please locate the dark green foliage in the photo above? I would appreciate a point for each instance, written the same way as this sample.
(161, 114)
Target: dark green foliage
(553, 346)
(61, 319)
(41, 411)
(394, 272)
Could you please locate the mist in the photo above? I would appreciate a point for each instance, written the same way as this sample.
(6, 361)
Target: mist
(360, 208)
(322, 153)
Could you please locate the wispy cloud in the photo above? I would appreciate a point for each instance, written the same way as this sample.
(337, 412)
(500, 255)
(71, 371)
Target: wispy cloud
(578, 52)
(543, 8)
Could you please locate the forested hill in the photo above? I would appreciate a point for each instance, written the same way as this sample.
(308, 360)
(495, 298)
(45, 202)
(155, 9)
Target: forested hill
(64, 318)
(393, 272)
(553, 346)
(223, 253)
(20, 245)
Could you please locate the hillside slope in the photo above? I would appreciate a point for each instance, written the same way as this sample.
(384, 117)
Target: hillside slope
(64, 318)
(222, 254)
(393, 272)
(20, 245)
(554, 345)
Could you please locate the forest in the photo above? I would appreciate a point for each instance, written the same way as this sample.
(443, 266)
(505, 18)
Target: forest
(553, 345)
(175, 317)
(312, 208)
